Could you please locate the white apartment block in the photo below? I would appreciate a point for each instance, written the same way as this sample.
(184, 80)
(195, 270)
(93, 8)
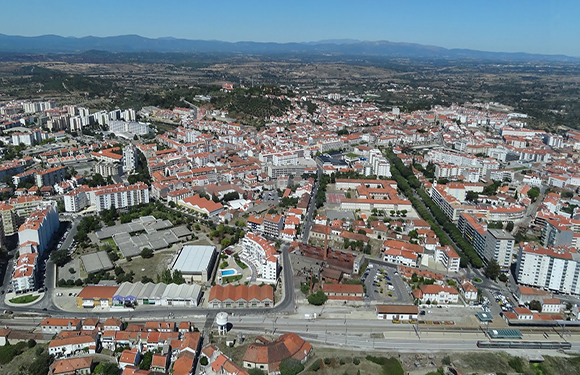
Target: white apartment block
(448, 258)
(24, 277)
(129, 158)
(551, 268)
(75, 201)
(139, 128)
(262, 254)
(40, 226)
(117, 195)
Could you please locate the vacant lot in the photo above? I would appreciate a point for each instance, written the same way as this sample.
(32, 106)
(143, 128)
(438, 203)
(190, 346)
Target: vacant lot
(148, 267)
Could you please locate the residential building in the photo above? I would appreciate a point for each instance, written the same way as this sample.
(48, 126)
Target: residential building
(499, 245)
(40, 226)
(441, 294)
(55, 325)
(273, 224)
(73, 345)
(263, 255)
(24, 276)
(552, 268)
(50, 176)
(267, 355)
(72, 366)
(203, 206)
(448, 257)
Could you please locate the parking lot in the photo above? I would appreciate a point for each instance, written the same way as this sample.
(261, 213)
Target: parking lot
(388, 280)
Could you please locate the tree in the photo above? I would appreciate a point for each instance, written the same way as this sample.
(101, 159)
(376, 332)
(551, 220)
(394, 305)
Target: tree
(510, 226)
(226, 242)
(503, 278)
(471, 196)
(177, 277)
(534, 193)
(492, 270)
(146, 361)
(535, 305)
(318, 298)
(203, 361)
(109, 368)
(60, 257)
(146, 253)
(290, 366)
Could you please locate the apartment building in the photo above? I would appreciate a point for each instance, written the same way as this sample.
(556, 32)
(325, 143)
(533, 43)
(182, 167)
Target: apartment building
(448, 258)
(499, 245)
(272, 225)
(16, 210)
(24, 276)
(120, 127)
(116, 195)
(39, 227)
(262, 254)
(50, 176)
(120, 196)
(553, 268)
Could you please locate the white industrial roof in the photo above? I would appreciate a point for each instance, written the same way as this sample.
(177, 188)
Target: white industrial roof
(194, 259)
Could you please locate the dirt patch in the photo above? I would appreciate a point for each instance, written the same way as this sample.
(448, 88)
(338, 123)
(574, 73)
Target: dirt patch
(148, 267)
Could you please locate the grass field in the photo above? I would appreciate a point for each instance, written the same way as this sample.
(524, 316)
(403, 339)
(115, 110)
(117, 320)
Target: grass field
(24, 299)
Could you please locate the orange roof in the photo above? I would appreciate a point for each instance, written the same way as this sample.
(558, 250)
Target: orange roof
(289, 345)
(241, 292)
(67, 366)
(98, 292)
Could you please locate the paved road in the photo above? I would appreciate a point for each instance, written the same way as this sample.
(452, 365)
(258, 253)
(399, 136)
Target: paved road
(308, 221)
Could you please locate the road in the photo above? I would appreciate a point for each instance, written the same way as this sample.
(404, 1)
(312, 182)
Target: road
(308, 221)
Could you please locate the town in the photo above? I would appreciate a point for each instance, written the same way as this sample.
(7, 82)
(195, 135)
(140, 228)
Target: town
(155, 240)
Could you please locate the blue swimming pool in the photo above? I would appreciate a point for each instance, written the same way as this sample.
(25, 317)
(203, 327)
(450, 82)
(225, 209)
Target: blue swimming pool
(228, 272)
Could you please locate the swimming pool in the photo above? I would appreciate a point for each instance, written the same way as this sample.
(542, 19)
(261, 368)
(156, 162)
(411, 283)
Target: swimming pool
(228, 272)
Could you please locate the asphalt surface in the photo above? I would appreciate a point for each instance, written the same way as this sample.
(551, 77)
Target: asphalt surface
(308, 221)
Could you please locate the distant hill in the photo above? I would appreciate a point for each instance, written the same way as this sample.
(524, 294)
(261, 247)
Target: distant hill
(136, 43)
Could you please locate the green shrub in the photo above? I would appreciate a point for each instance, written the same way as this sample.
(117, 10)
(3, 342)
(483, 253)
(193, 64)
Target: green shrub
(327, 361)
(316, 365)
(356, 361)
(290, 366)
(517, 364)
(318, 298)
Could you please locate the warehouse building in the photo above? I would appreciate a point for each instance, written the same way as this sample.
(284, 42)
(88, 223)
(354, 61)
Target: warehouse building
(196, 263)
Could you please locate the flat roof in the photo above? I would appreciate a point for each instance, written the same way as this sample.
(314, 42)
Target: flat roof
(500, 234)
(193, 259)
(504, 333)
(94, 262)
(484, 316)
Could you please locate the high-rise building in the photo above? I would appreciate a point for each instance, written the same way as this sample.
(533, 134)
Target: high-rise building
(553, 268)
(129, 158)
(499, 245)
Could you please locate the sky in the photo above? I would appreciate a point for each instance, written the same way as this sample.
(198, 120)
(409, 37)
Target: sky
(547, 27)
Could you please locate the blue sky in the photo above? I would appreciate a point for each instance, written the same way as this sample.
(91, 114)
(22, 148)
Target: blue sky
(550, 27)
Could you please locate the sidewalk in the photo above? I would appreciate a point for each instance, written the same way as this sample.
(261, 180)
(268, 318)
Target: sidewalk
(9, 296)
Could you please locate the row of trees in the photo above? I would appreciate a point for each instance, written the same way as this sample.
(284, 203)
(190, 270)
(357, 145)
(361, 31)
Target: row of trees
(407, 182)
(321, 193)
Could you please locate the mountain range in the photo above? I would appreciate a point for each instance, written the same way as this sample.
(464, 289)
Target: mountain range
(344, 47)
